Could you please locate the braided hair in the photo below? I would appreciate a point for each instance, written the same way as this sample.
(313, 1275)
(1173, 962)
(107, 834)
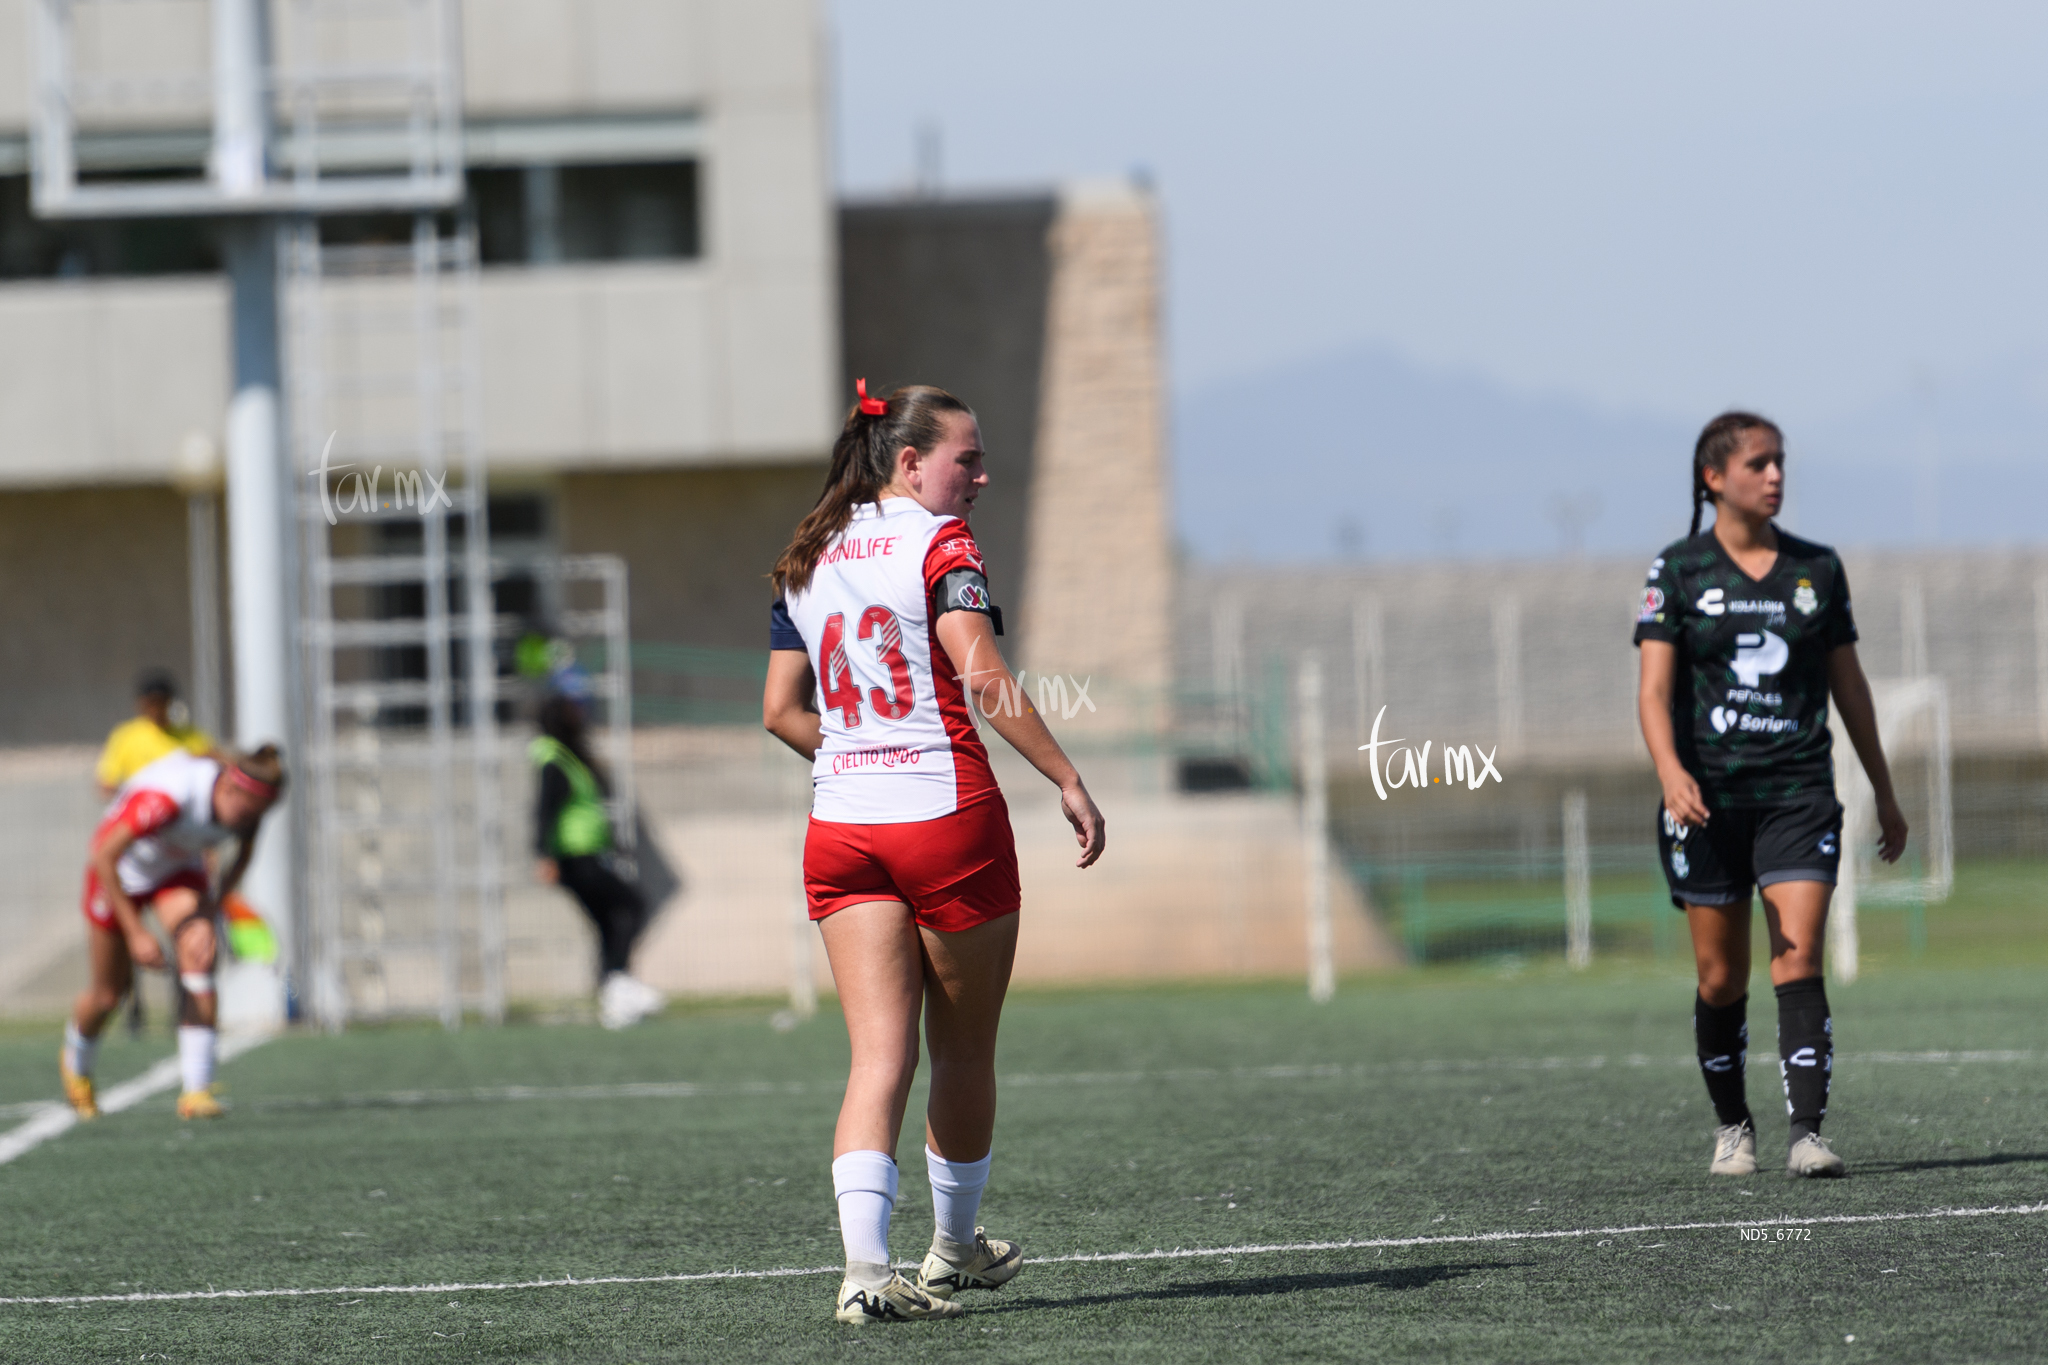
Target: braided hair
(1718, 440)
(863, 463)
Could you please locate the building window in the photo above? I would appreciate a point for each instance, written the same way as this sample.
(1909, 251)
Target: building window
(33, 248)
(526, 215)
(547, 215)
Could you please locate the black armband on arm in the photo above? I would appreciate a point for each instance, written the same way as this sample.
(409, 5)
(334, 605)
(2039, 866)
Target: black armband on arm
(965, 590)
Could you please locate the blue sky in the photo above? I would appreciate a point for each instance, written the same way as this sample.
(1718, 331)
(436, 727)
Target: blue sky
(1639, 212)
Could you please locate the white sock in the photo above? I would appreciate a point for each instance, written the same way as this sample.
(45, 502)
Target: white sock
(865, 1185)
(195, 1056)
(81, 1053)
(956, 1195)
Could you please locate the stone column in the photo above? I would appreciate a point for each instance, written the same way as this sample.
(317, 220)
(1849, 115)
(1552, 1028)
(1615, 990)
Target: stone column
(1097, 601)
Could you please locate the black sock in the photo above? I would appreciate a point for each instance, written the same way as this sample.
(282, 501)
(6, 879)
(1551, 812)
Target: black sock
(1806, 1052)
(1722, 1032)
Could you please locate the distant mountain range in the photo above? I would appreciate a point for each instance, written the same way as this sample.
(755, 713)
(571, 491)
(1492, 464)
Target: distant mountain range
(1363, 453)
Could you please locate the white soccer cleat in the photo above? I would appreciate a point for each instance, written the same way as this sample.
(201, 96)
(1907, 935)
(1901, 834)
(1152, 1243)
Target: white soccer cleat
(897, 1301)
(623, 1002)
(991, 1265)
(651, 1001)
(1813, 1158)
(1734, 1150)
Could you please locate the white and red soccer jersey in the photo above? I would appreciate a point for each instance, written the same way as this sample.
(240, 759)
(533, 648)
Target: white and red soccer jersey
(169, 806)
(900, 743)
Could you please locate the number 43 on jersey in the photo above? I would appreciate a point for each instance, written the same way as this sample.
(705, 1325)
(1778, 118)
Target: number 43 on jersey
(841, 692)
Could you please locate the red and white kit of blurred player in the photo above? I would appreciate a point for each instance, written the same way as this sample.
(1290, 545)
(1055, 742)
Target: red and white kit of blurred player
(149, 853)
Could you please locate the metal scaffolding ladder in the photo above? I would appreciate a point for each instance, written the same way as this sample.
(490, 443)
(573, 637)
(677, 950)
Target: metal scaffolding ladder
(365, 620)
(405, 831)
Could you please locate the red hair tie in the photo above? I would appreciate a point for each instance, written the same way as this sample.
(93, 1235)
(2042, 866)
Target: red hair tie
(249, 782)
(873, 407)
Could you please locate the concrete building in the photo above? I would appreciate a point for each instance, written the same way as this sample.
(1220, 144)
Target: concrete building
(672, 311)
(657, 313)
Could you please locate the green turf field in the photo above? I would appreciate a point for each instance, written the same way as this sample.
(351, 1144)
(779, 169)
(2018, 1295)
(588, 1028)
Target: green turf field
(1436, 1106)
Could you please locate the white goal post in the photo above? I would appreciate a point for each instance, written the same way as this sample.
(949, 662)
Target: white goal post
(1913, 726)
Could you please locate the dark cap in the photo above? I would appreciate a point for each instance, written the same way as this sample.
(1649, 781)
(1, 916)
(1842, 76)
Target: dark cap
(156, 682)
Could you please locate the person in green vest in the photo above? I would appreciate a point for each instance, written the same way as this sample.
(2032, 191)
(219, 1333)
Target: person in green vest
(575, 850)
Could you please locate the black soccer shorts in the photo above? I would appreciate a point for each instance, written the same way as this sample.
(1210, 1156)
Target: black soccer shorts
(1750, 848)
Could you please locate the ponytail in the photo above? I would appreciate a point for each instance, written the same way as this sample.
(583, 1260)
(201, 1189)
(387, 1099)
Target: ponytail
(1718, 440)
(863, 464)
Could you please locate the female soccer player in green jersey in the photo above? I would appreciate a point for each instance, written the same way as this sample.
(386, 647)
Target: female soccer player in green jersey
(1745, 633)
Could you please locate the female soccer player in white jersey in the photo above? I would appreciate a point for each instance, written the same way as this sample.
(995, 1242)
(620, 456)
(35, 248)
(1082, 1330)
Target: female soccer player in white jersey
(149, 852)
(881, 639)
(1745, 632)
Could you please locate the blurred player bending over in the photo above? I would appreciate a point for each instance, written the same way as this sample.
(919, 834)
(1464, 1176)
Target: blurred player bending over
(150, 852)
(153, 731)
(1745, 630)
(157, 728)
(883, 633)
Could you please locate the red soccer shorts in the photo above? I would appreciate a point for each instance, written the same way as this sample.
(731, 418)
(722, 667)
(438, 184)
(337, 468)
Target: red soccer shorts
(954, 872)
(100, 915)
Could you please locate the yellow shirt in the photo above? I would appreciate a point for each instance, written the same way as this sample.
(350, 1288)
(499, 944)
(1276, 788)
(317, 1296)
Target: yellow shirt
(137, 743)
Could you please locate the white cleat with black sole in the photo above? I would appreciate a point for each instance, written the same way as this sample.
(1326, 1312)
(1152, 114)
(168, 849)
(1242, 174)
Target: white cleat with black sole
(1734, 1150)
(988, 1264)
(1812, 1158)
(896, 1301)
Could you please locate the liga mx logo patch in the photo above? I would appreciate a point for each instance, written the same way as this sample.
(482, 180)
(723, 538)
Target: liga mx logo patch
(972, 596)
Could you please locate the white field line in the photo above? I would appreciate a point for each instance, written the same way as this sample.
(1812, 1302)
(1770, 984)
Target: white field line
(1075, 1258)
(50, 1114)
(683, 1090)
(51, 1120)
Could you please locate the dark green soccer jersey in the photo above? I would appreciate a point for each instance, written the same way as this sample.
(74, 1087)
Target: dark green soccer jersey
(1749, 704)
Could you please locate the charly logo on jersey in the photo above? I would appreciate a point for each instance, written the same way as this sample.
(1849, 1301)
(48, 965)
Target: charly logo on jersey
(1827, 844)
(1656, 567)
(1710, 603)
(1804, 599)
